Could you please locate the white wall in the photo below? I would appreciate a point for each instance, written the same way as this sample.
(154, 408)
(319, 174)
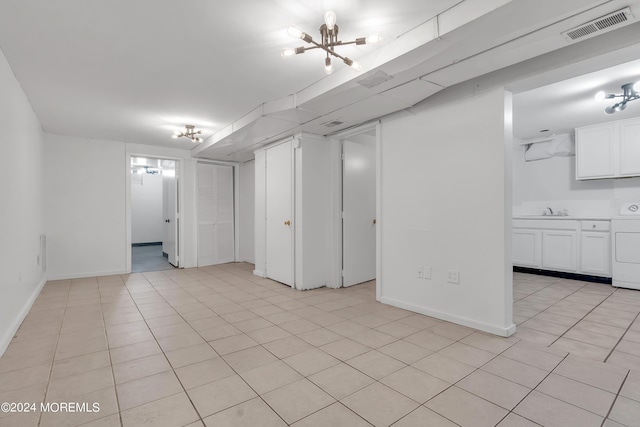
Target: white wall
(246, 215)
(86, 205)
(21, 204)
(552, 182)
(260, 227)
(147, 221)
(445, 203)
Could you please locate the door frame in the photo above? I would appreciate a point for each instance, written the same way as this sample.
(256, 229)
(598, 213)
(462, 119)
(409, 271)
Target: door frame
(180, 202)
(338, 189)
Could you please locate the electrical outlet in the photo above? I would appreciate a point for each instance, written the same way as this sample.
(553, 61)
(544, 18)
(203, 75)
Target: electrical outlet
(419, 272)
(454, 277)
(426, 272)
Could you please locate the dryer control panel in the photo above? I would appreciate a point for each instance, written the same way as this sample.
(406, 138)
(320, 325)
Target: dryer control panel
(630, 208)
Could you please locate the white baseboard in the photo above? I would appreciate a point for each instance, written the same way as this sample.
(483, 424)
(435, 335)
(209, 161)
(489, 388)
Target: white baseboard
(481, 326)
(259, 273)
(66, 276)
(5, 339)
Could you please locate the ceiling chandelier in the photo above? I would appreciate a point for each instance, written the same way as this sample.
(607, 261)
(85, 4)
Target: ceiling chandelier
(631, 92)
(189, 132)
(329, 40)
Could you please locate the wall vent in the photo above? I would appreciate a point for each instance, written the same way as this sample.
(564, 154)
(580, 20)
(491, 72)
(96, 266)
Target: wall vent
(601, 25)
(332, 123)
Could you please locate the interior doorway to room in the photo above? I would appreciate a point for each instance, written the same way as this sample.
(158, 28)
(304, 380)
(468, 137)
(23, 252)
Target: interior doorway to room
(154, 214)
(359, 208)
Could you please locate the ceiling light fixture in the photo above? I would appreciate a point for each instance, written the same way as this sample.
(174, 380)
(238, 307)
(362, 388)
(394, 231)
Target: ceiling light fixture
(631, 92)
(329, 40)
(189, 132)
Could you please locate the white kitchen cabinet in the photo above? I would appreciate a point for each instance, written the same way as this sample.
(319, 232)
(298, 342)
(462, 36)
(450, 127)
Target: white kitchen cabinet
(630, 147)
(527, 247)
(595, 151)
(567, 245)
(608, 150)
(559, 250)
(595, 248)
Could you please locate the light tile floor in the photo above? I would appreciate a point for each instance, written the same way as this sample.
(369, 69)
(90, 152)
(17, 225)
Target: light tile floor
(218, 346)
(592, 320)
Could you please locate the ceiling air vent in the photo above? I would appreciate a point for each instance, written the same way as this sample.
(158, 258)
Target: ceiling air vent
(332, 123)
(374, 79)
(601, 25)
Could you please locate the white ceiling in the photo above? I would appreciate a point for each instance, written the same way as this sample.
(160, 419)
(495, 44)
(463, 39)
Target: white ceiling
(563, 106)
(134, 71)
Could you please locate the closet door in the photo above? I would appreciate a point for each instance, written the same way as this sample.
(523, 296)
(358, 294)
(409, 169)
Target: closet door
(359, 212)
(215, 214)
(279, 223)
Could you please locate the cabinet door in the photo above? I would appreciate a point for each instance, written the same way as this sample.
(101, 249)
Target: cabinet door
(595, 253)
(630, 148)
(596, 152)
(559, 250)
(526, 247)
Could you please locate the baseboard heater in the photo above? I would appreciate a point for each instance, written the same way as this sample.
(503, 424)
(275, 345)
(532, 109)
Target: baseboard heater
(563, 275)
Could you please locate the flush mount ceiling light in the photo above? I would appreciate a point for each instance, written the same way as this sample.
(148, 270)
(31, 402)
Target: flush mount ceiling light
(329, 40)
(189, 132)
(631, 92)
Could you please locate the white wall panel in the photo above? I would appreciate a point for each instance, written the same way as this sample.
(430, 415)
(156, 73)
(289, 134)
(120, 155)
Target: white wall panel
(246, 226)
(22, 205)
(445, 203)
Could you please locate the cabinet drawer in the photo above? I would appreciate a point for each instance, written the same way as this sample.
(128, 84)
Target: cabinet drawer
(595, 225)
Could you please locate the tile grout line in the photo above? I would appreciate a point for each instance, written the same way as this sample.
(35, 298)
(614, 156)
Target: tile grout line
(53, 360)
(615, 399)
(583, 317)
(534, 389)
(207, 342)
(106, 336)
(621, 337)
(163, 353)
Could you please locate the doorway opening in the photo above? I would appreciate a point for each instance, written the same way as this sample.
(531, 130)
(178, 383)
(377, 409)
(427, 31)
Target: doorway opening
(359, 207)
(154, 214)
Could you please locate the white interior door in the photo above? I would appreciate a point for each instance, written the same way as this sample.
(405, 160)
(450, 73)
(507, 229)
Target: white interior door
(279, 222)
(171, 216)
(215, 215)
(359, 211)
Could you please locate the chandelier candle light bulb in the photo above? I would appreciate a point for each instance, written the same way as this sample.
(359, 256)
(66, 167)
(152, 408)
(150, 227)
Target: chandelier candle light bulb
(330, 19)
(328, 68)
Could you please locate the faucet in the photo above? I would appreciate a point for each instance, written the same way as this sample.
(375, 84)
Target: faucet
(550, 211)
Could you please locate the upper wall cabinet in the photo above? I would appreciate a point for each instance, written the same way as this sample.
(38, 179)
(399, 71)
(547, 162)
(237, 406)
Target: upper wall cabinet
(608, 150)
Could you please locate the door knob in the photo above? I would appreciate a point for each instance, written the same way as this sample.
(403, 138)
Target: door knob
(287, 222)
(167, 220)
(374, 221)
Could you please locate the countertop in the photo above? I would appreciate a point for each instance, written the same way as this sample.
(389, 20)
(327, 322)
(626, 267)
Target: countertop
(569, 217)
